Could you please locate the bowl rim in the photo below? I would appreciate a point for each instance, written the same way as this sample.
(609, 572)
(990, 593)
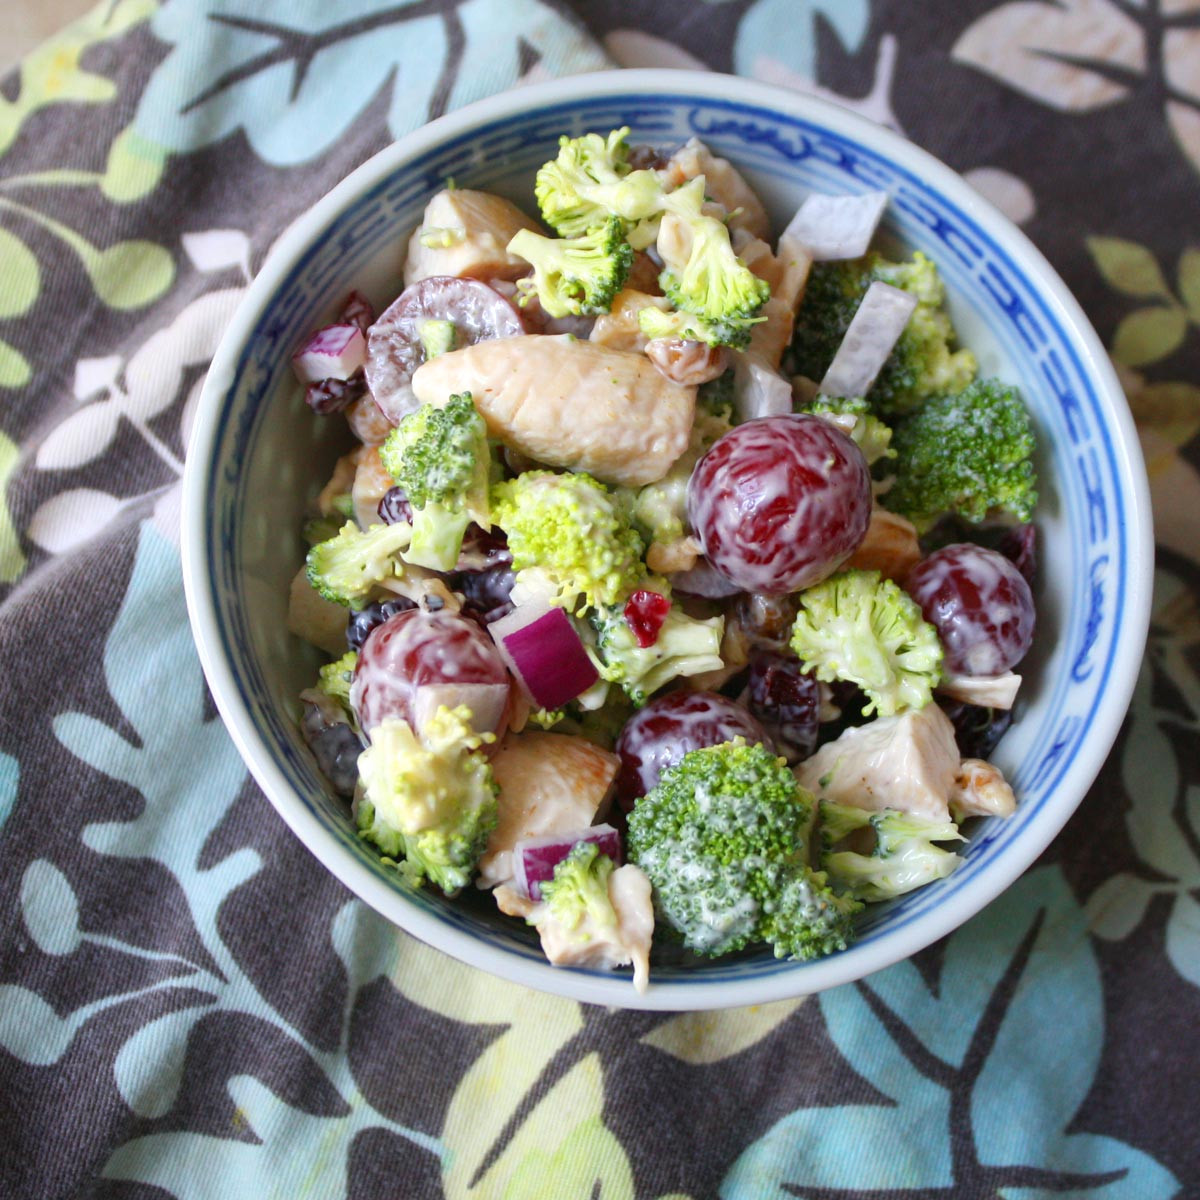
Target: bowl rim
(858, 961)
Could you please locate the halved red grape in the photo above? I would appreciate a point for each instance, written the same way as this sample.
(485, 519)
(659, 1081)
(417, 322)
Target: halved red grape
(659, 735)
(394, 346)
(980, 605)
(415, 649)
(780, 503)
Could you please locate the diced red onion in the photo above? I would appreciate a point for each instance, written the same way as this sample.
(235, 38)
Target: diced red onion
(988, 691)
(534, 859)
(486, 701)
(836, 227)
(873, 331)
(541, 648)
(358, 311)
(335, 352)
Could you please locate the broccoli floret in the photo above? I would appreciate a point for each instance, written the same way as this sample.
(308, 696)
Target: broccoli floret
(336, 677)
(590, 181)
(684, 646)
(854, 417)
(438, 337)
(570, 539)
(429, 803)
(721, 837)
(704, 279)
(903, 857)
(921, 364)
(546, 718)
(345, 568)
(574, 276)
(439, 456)
(863, 628)
(968, 453)
(579, 889)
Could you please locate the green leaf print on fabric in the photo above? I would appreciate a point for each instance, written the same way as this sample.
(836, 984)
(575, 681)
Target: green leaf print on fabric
(295, 76)
(20, 282)
(52, 73)
(786, 31)
(982, 1073)
(12, 559)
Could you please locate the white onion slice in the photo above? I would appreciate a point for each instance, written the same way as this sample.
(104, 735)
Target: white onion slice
(534, 859)
(758, 391)
(335, 352)
(542, 649)
(874, 330)
(988, 691)
(486, 701)
(836, 227)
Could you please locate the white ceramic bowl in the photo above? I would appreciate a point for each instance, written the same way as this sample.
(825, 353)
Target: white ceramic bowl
(257, 457)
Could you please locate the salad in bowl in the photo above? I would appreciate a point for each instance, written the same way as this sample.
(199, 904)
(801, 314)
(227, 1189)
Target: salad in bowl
(675, 588)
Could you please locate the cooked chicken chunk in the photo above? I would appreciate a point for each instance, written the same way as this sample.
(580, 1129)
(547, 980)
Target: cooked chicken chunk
(466, 233)
(570, 404)
(908, 762)
(592, 943)
(549, 783)
(890, 546)
(315, 619)
(371, 481)
(723, 182)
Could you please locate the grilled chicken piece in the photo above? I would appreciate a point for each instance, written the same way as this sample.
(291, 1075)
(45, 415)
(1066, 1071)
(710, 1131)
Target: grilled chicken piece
(909, 762)
(568, 403)
(723, 182)
(315, 619)
(476, 228)
(549, 783)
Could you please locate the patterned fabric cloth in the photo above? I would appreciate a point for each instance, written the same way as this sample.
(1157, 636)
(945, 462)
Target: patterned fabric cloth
(190, 1006)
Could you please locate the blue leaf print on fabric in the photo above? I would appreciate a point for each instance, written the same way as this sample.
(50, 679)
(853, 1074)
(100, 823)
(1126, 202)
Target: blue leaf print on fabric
(154, 676)
(10, 773)
(982, 1075)
(296, 75)
(785, 30)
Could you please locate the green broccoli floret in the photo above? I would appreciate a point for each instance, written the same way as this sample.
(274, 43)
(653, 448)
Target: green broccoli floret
(921, 364)
(590, 181)
(438, 337)
(659, 323)
(659, 509)
(429, 803)
(684, 646)
(855, 419)
(336, 677)
(345, 568)
(575, 276)
(440, 457)
(968, 453)
(570, 539)
(703, 278)
(903, 857)
(721, 837)
(579, 890)
(863, 628)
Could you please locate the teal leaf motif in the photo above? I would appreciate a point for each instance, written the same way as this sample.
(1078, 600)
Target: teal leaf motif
(50, 908)
(981, 1075)
(10, 774)
(785, 30)
(295, 76)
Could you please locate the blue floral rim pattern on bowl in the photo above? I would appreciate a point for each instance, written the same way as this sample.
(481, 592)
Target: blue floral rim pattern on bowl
(1095, 496)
